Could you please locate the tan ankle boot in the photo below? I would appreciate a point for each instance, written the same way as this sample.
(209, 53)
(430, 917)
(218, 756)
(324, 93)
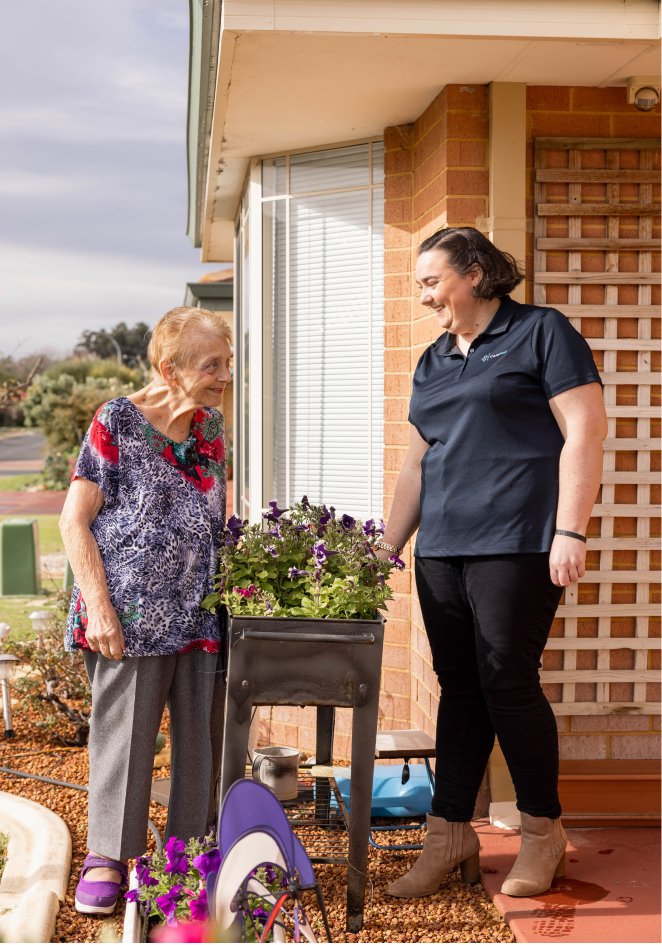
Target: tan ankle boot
(541, 857)
(446, 846)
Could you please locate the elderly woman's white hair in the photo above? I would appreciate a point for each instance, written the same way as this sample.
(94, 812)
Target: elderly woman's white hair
(168, 339)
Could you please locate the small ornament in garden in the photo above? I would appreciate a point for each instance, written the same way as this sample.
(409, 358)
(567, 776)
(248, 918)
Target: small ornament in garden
(305, 562)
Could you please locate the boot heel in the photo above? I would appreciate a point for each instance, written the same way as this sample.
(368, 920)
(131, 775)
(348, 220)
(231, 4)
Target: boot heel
(470, 869)
(559, 872)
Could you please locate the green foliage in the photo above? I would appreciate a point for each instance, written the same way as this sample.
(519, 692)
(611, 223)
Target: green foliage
(133, 342)
(308, 564)
(56, 680)
(82, 368)
(63, 408)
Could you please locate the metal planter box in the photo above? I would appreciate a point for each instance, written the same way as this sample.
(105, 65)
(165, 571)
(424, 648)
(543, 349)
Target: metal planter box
(298, 662)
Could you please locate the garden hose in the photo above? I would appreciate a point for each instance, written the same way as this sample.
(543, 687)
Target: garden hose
(79, 787)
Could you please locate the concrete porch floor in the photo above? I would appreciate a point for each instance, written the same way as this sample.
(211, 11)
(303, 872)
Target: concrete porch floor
(611, 891)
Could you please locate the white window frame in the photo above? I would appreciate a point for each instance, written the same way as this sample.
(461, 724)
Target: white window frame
(252, 201)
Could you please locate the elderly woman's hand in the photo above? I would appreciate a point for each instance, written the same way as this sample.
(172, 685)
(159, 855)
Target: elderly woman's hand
(104, 633)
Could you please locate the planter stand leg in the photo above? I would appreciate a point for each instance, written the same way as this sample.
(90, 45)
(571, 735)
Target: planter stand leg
(236, 725)
(364, 734)
(326, 721)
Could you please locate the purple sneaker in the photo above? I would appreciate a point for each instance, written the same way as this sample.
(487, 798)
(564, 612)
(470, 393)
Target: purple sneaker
(94, 898)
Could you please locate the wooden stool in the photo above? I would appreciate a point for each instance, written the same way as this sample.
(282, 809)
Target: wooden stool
(405, 744)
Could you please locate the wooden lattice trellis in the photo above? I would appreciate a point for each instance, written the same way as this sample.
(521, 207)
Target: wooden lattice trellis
(575, 176)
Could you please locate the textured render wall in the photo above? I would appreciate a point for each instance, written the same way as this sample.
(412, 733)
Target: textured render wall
(436, 175)
(591, 112)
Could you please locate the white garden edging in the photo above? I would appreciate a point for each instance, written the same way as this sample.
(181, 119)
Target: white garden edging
(37, 872)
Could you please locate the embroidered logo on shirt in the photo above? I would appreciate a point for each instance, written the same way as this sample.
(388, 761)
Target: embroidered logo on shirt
(488, 356)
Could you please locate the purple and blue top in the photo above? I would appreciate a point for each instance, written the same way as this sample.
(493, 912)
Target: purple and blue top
(158, 530)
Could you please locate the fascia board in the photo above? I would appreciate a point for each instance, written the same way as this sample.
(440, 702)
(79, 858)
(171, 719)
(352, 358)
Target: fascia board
(204, 28)
(634, 21)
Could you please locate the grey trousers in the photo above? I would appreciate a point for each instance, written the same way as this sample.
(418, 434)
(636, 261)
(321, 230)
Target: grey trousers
(128, 699)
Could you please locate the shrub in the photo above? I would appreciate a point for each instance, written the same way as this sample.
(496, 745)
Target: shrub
(57, 687)
(64, 408)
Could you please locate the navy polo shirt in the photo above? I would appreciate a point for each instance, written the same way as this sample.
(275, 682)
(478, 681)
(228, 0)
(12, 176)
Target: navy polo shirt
(490, 479)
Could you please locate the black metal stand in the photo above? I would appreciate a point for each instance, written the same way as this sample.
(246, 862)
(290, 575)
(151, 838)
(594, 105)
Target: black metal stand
(326, 663)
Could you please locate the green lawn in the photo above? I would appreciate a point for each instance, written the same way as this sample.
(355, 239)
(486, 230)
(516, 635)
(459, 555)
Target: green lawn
(50, 540)
(15, 610)
(14, 483)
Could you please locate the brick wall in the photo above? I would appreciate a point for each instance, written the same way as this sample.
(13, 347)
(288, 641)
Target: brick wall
(435, 175)
(591, 112)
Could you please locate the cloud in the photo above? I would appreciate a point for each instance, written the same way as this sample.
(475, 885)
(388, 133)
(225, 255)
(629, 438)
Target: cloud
(51, 297)
(93, 181)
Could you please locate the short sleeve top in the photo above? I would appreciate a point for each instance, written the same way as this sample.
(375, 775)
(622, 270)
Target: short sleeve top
(158, 530)
(490, 478)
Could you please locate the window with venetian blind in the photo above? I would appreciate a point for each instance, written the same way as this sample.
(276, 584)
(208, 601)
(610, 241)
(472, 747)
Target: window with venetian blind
(322, 235)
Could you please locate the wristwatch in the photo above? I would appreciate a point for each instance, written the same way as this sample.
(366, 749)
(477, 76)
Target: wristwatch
(386, 547)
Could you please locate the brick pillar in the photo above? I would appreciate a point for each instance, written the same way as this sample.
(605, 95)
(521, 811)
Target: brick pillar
(436, 176)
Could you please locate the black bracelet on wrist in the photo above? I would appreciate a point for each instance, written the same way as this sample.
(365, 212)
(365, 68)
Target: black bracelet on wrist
(561, 531)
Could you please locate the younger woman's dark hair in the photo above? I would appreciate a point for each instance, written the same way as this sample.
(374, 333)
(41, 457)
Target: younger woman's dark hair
(466, 248)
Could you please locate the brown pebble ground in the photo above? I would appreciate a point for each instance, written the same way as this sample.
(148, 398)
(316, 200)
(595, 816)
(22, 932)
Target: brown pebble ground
(457, 913)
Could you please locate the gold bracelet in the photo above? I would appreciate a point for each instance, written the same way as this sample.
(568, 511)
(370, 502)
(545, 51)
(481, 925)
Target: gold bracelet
(386, 547)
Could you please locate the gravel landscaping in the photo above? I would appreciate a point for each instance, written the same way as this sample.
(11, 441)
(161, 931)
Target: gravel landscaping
(457, 913)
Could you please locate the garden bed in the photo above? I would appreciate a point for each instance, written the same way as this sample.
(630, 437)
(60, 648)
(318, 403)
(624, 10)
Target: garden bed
(457, 913)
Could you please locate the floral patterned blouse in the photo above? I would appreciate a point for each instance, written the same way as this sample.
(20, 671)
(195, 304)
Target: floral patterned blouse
(158, 530)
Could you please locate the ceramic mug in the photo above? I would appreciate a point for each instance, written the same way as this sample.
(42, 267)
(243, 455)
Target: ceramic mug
(277, 768)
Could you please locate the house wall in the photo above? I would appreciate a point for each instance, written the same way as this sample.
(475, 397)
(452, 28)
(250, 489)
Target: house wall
(437, 175)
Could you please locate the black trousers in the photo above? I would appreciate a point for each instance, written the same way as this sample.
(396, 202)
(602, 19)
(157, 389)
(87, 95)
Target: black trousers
(487, 619)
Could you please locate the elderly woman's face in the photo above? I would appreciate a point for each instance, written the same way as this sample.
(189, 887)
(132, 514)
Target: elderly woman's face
(206, 373)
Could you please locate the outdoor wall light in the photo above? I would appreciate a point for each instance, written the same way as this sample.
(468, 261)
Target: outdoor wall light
(40, 621)
(644, 92)
(8, 665)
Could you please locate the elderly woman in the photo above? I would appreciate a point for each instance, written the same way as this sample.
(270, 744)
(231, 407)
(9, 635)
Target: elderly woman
(141, 526)
(504, 465)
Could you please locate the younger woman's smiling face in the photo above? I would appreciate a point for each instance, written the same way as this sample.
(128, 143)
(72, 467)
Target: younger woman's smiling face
(447, 293)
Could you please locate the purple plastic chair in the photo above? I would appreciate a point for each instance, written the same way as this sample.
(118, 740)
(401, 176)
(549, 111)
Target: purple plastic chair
(253, 831)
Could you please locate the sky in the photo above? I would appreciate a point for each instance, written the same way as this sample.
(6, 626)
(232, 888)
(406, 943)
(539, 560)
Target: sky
(93, 183)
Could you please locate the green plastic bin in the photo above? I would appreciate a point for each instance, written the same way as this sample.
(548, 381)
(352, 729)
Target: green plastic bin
(20, 562)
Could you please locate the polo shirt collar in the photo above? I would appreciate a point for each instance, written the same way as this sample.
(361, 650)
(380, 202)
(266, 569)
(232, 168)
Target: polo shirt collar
(500, 323)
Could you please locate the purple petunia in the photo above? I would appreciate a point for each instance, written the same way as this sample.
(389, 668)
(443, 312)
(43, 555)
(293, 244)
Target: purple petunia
(177, 861)
(132, 895)
(325, 517)
(398, 562)
(274, 513)
(272, 551)
(305, 504)
(321, 552)
(295, 573)
(168, 903)
(369, 527)
(235, 526)
(143, 874)
(347, 521)
(207, 863)
(199, 906)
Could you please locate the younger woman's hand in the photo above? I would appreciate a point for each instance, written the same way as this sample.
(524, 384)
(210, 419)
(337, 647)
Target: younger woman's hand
(104, 632)
(567, 560)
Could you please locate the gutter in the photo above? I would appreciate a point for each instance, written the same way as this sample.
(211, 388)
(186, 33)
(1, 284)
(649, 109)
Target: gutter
(204, 39)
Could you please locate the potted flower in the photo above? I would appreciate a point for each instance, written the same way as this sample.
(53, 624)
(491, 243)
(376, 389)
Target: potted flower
(306, 563)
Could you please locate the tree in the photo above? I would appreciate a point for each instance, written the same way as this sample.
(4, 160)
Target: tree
(132, 342)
